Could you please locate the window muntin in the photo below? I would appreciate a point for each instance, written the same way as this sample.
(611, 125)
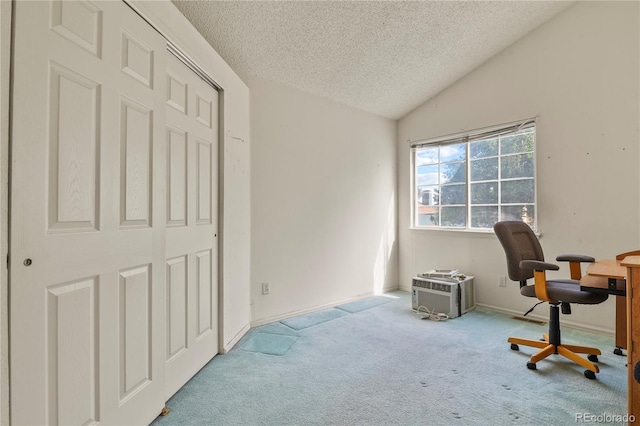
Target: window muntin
(476, 181)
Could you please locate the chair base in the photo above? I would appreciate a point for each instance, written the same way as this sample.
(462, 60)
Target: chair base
(568, 351)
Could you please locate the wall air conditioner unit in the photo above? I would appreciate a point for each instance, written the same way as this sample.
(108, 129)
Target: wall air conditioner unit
(451, 296)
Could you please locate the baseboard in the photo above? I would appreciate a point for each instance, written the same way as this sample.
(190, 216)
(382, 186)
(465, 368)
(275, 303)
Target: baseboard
(226, 348)
(276, 318)
(567, 323)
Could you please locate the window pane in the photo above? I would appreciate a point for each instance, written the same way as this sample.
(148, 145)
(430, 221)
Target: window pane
(454, 216)
(453, 152)
(523, 212)
(514, 166)
(453, 172)
(521, 142)
(484, 193)
(484, 217)
(486, 148)
(426, 156)
(428, 196)
(518, 191)
(428, 219)
(453, 194)
(486, 169)
(427, 175)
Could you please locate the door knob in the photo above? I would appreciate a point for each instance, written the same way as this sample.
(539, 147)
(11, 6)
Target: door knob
(27, 262)
(636, 372)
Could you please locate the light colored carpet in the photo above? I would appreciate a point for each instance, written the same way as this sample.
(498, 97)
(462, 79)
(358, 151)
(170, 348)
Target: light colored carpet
(384, 366)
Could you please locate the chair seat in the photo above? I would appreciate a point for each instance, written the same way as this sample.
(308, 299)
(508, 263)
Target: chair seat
(567, 291)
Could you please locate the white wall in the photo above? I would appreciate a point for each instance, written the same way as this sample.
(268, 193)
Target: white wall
(323, 202)
(579, 73)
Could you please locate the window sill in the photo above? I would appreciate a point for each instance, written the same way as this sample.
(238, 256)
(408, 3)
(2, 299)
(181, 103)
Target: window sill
(461, 231)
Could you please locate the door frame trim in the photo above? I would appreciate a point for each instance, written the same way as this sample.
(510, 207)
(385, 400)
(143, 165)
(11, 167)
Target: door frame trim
(6, 42)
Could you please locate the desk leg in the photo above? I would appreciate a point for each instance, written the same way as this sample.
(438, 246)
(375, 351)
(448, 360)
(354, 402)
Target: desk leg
(621, 324)
(633, 305)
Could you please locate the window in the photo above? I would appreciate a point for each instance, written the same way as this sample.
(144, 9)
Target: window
(473, 180)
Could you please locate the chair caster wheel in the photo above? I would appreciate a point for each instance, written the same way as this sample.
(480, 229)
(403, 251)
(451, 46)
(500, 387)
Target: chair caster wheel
(514, 347)
(618, 351)
(532, 366)
(589, 374)
(592, 358)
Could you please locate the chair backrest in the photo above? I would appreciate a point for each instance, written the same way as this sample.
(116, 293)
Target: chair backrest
(519, 243)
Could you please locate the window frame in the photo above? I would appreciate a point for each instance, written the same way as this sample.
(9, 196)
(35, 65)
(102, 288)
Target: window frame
(467, 138)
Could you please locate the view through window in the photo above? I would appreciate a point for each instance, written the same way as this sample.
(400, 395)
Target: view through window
(474, 180)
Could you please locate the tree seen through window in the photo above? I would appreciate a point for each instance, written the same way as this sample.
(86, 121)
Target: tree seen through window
(475, 183)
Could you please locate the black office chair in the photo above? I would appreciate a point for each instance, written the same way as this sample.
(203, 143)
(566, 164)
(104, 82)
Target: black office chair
(525, 260)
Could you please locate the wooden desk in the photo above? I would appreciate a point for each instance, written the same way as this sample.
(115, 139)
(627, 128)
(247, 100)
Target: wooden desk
(607, 268)
(609, 276)
(633, 325)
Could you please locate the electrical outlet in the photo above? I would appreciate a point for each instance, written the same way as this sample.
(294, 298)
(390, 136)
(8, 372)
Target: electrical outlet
(503, 281)
(265, 288)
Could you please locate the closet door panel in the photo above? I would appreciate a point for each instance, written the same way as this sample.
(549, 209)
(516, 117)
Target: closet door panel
(192, 219)
(88, 215)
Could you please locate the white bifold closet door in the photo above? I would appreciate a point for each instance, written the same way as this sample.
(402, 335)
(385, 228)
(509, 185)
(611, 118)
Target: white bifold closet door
(192, 223)
(113, 266)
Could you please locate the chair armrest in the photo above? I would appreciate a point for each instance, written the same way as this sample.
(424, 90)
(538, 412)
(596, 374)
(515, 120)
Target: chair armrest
(575, 261)
(574, 258)
(540, 277)
(537, 265)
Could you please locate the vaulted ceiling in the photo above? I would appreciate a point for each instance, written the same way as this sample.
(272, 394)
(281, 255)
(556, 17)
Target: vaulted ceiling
(384, 57)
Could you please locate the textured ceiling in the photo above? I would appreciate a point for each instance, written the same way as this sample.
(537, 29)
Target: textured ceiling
(383, 57)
